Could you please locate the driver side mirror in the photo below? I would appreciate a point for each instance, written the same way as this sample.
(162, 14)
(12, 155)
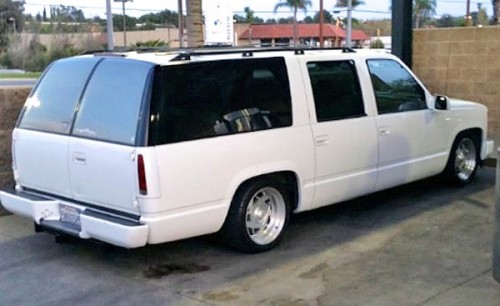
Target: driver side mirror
(442, 103)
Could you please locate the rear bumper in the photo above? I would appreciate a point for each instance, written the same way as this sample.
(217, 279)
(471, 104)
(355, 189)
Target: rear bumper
(94, 224)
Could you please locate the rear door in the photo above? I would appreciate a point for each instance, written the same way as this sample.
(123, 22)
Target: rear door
(345, 137)
(102, 150)
(40, 142)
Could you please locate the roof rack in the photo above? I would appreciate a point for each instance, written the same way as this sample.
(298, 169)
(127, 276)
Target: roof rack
(185, 54)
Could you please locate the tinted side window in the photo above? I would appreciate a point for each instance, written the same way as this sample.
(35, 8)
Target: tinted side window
(51, 107)
(395, 89)
(337, 94)
(111, 105)
(210, 99)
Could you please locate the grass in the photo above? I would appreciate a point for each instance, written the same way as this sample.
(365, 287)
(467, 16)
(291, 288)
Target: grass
(28, 75)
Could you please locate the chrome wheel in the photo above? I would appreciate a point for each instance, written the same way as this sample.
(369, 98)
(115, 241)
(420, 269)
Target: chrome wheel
(465, 159)
(265, 215)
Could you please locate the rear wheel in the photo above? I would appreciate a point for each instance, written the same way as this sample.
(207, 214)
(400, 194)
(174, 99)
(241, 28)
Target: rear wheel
(464, 159)
(258, 216)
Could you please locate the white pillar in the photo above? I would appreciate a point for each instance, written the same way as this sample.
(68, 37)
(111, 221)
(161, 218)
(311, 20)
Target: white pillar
(109, 23)
(349, 24)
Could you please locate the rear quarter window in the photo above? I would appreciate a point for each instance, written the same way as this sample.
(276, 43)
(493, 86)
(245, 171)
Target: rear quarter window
(51, 107)
(216, 98)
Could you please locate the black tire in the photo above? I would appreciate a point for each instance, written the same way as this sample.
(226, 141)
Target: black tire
(463, 161)
(241, 228)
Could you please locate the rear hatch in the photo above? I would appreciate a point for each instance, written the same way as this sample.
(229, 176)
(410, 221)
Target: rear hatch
(78, 133)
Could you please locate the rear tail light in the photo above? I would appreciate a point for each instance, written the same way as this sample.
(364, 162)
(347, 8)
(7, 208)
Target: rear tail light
(141, 171)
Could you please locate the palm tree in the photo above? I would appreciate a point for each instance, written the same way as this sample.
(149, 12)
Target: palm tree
(295, 5)
(343, 3)
(194, 22)
(423, 9)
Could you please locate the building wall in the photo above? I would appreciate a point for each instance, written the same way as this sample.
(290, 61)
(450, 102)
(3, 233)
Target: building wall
(462, 63)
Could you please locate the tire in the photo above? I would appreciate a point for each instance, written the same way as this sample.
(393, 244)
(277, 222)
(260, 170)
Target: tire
(464, 160)
(258, 216)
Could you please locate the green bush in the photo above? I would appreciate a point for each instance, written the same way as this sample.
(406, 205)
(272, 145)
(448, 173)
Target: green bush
(377, 44)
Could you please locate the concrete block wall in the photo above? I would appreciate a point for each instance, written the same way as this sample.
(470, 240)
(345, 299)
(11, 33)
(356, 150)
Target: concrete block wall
(462, 63)
(11, 102)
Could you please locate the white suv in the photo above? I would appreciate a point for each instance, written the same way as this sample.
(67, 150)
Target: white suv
(143, 148)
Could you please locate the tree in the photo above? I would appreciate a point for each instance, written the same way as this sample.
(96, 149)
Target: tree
(239, 19)
(288, 20)
(249, 15)
(130, 22)
(343, 3)
(480, 17)
(63, 13)
(11, 20)
(377, 44)
(308, 19)
(423, 9)
(327, 17)
(165, 17)
(294, 5)
(446, 21)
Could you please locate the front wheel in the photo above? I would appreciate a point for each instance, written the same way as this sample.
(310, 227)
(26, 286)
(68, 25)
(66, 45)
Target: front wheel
(258, 216)
(463, 161)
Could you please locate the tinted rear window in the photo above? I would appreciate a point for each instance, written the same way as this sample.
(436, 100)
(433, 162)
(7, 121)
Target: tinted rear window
(111, 105)
(209, 99)
(51, 107)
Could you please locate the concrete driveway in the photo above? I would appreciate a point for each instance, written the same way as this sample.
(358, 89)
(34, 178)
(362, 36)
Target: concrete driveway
(420, 244)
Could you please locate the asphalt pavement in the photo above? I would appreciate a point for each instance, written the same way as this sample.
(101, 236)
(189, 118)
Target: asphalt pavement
(421, 244)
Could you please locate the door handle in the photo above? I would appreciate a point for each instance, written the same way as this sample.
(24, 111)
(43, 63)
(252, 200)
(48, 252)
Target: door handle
(322, 140)
(384, 132)
(79, 158)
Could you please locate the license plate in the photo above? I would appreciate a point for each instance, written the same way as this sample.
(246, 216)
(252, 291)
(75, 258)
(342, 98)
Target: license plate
(69, 214)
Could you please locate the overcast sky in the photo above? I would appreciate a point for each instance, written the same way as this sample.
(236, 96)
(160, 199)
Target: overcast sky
(264, 8)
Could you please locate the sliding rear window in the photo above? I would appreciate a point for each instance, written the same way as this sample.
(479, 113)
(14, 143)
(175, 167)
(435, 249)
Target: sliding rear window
(51, 107)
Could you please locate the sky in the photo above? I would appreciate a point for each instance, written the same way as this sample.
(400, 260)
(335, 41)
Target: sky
(372, 9)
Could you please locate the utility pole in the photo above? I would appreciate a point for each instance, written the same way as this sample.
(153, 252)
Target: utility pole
(348, 38)
(109, 26)
(124, 23)
(181, 24)
(321, 22)
(468, 17)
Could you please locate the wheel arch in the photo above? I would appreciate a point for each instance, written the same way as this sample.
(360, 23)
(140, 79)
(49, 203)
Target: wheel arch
(476, 132)
(288, 178)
